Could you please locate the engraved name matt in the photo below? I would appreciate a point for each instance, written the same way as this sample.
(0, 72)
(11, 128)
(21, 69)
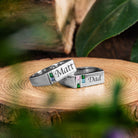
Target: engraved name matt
(64, 70)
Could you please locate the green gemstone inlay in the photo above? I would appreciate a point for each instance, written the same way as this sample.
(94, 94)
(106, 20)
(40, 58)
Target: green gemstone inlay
(83, 76)
(78, 85)
(51, 75)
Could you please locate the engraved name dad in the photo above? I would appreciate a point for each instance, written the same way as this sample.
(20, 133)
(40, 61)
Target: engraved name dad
(64, 70)
(95, 78)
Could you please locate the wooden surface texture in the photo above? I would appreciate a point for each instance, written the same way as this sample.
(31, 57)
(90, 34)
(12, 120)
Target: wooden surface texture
(16, 88)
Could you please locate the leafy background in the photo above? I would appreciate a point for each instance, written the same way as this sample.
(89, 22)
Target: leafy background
(114, 16)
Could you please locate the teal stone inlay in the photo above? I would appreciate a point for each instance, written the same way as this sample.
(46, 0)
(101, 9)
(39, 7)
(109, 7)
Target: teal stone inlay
(78, 85)
(83, 76)
(83, 80)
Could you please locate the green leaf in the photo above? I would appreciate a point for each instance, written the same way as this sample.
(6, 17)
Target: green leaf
(105, 19)
(134, 53)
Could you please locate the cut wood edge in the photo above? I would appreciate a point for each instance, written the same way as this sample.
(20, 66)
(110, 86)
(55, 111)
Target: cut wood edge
(81, 9)
(68, 14)
(66, 22)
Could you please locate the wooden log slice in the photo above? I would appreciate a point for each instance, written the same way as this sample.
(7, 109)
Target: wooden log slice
(16, 88)
(51, 101)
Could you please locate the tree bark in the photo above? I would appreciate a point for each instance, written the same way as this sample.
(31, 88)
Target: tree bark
(53, 23)
(41, 31)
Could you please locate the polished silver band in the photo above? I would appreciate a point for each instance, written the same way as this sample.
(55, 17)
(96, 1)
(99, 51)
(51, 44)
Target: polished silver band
(84, 76)
(53, 73)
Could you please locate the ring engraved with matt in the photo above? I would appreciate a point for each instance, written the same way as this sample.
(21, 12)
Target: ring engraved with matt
(53, 73)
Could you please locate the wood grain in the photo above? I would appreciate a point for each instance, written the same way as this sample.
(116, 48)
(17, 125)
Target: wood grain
(16, 88)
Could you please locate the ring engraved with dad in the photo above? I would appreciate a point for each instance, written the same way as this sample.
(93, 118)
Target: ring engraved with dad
(83, 77)
(66, 74)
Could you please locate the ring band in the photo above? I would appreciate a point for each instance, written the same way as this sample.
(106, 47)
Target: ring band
(53, 73)
(83, 77)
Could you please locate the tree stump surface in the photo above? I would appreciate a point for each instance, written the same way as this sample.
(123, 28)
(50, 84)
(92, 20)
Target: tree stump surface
(16, 89)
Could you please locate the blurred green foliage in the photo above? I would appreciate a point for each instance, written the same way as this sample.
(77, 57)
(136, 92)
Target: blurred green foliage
(106, 18)
(96, 121)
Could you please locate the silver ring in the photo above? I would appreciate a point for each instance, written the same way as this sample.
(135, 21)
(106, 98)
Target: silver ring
(53, 73)
(83, 77)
